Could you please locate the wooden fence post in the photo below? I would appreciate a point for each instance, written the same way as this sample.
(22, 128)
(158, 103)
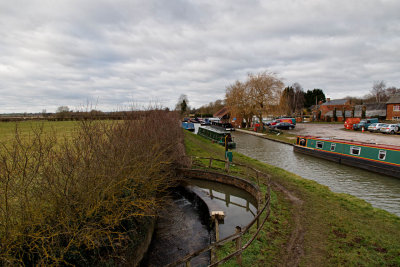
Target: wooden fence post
(227, 165)
(258, 181)
(209, 165)
(239, 246)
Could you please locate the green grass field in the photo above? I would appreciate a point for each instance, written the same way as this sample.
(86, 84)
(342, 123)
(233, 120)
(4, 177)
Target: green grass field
(335, 229)
(7, 129)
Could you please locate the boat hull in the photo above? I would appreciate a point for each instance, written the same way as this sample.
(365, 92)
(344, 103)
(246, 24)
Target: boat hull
(373, 166)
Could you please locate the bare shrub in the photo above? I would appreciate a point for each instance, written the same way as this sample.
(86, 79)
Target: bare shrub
(75, 199)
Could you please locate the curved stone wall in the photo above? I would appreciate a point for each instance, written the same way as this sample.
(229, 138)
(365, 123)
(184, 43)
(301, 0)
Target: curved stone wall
(243, 184)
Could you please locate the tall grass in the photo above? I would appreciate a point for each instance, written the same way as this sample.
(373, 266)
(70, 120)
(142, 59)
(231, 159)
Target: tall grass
(73, 200)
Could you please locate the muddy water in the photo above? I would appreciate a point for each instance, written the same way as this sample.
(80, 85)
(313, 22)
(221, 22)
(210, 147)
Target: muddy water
(181, 229)
(379, 190)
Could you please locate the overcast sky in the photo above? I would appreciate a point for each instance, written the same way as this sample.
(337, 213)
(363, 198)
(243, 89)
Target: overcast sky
(116, 53)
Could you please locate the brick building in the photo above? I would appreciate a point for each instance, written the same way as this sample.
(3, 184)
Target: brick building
(328, 108)
(393, 108)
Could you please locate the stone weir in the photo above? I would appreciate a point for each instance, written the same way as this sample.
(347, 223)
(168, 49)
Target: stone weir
(187, 174)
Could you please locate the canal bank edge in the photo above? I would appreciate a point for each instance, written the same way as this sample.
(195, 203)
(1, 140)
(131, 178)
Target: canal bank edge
(139, 251)
(262, 135)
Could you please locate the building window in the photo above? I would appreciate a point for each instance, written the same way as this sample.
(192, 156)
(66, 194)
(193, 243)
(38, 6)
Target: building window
(396, 108)
(320, 144)
(396, 118)
(333, 147)
(354, 150)
(382, 154)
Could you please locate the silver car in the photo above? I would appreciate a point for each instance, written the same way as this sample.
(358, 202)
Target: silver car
(390, 128)
(375, 127)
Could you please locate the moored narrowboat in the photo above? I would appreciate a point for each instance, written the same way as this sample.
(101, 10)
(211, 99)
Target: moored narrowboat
(217, 135)
(384, 159)
(188, 126)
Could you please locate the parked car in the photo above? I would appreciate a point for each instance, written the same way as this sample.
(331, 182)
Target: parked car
(364, 124)
(390, 128)
(375, 127)
(283, 126)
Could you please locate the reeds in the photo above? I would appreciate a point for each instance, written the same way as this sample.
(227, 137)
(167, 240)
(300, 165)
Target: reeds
(83, 198)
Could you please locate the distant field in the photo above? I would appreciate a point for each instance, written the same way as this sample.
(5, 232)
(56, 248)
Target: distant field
(7, 129)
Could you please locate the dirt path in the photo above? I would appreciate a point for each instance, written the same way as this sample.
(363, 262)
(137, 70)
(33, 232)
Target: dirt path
(294, 247)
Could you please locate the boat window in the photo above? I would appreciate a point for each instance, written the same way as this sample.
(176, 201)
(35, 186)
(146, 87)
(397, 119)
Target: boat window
(320, 144)
(333, 147)
(354, 150)
(382, 154)
(303, 142)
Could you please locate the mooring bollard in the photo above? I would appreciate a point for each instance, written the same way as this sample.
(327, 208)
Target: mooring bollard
(239, 245)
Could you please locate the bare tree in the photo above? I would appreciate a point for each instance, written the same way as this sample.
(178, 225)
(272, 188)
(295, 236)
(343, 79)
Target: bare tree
(238, 101)
(264, 90)
(378, 90)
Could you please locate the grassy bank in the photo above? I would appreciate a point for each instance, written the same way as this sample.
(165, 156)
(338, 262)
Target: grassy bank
(335, 229)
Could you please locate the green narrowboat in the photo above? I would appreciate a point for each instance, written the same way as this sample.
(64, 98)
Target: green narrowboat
(217, 135)
(384, 159)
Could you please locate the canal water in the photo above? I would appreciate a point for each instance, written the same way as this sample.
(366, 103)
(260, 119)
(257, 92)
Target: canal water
(184, 226)
(379, 190)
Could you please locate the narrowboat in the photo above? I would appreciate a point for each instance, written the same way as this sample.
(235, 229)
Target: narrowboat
(217, 135)
(224, 126)
(188, 126)
(384, 159)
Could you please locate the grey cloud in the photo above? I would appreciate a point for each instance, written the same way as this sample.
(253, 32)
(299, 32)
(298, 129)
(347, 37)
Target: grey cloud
(116, 53)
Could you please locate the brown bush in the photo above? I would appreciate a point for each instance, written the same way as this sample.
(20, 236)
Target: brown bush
(73, 200)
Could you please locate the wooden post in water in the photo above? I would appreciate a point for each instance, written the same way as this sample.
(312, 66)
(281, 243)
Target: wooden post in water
(216, 215)
(216, 230)
(239, 246)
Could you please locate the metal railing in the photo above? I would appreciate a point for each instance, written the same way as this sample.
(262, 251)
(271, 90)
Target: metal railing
(237, 237)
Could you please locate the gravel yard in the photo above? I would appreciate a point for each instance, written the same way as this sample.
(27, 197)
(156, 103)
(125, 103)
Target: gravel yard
(338, 131)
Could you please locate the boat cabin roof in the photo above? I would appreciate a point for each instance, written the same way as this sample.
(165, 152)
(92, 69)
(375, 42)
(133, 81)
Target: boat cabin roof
(351, 142)
(213, 129)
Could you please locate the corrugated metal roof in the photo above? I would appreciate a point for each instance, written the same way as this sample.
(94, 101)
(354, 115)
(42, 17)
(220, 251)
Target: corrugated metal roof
(394, 99)
(335, 102)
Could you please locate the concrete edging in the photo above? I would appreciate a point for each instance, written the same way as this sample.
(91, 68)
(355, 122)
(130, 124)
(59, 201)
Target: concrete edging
(240, 183)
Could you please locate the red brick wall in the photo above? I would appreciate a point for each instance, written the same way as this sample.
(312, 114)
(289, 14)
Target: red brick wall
(390, 113)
